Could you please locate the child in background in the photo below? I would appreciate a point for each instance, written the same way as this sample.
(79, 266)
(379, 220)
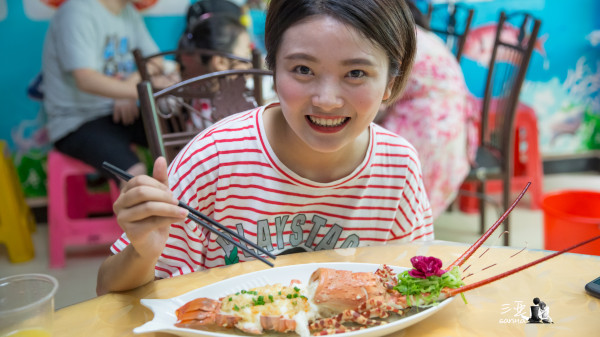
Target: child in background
(311, 172)
(216, 31)
(220, 32)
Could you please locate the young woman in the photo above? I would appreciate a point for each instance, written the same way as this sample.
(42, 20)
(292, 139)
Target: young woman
(309, 173)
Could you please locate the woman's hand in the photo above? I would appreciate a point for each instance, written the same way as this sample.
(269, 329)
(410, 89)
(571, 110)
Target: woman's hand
(146, 209)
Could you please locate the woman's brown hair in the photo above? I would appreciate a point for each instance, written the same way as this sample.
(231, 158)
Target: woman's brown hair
(388, 23)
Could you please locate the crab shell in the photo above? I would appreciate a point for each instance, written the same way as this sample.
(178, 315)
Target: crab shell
(340, 290)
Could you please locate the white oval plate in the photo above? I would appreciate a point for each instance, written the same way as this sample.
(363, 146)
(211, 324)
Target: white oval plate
(164, 310)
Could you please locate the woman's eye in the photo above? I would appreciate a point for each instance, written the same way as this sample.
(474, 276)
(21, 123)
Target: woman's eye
(302, 70)
(356, 73)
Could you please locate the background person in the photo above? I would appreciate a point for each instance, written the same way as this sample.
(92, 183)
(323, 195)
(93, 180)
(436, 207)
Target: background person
(222, 32)
(214, 27)
(90, 81)
(432, 114)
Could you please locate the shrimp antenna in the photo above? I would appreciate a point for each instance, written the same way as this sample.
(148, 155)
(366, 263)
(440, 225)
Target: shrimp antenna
(452, 292)
(467, 254)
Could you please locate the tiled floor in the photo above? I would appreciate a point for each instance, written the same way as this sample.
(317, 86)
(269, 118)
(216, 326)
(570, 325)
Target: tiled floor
(78, 279)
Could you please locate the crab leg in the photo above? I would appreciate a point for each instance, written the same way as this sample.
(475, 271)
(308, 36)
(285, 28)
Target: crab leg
(452, 292)
(467, 254)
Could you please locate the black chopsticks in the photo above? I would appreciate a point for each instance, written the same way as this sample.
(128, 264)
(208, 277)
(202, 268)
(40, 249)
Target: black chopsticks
(195, 216)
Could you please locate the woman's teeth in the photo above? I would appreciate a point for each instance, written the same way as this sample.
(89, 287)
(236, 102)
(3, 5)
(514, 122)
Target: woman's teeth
(327, 121)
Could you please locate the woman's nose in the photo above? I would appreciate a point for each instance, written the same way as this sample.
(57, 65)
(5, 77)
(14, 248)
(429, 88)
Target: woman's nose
(327, 95)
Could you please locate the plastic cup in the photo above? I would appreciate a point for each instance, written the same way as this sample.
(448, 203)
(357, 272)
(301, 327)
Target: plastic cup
(27, 305)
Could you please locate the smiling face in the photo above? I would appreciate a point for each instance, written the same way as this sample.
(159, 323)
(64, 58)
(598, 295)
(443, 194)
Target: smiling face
(330, 80)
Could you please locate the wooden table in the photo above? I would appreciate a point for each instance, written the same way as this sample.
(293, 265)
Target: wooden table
(492, 310)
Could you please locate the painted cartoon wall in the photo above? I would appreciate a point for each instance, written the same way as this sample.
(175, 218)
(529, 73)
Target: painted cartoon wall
(562, 84)
(563, 81)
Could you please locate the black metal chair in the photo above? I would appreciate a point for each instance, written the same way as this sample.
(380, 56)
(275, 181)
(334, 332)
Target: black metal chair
(452, 23)
(229, 92)
(506, 72)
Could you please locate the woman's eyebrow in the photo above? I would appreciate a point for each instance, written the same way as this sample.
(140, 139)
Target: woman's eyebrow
(301, 56)
(358, 61)
(348, 62)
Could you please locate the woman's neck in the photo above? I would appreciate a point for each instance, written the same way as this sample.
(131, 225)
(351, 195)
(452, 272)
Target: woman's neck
(114, 6)
(315, 166)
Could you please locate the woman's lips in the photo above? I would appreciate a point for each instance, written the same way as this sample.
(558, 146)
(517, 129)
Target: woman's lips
(327, 125)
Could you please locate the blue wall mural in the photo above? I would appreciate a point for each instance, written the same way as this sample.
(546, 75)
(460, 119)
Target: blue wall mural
(563, 81)
(562, 84)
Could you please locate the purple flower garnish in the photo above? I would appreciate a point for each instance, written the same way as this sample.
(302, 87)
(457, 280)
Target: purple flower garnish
(425, 266)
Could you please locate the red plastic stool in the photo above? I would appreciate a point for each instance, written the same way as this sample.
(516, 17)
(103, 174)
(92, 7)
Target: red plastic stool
(527, 164)
(76, 215)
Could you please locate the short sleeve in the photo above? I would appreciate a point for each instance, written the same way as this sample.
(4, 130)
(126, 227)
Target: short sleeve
(143, 39)
(76, 39)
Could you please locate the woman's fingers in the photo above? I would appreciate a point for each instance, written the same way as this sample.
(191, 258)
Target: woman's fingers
(144, 193)
(159, 171)
(144, 197)
(141, 230)
(144, 180)
(167, 213)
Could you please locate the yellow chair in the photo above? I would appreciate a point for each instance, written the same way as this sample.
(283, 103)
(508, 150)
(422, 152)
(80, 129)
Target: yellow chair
(16, 220)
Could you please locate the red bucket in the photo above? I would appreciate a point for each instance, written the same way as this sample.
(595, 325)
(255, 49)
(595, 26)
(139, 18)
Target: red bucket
(570, 217)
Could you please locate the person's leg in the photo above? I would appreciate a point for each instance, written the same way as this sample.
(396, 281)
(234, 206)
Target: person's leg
(136, 135)
(102, 140)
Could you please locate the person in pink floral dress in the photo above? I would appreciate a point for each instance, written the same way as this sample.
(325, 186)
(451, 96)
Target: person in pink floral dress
(432, 115)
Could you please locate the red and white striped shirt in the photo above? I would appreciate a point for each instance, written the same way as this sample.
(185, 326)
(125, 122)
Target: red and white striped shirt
(230, 173)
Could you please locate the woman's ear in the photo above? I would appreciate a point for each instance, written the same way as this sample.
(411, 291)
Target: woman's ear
(219, 63)
(388, 88)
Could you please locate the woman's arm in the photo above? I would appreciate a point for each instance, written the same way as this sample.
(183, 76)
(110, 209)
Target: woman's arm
(124, 271)
(145, 211)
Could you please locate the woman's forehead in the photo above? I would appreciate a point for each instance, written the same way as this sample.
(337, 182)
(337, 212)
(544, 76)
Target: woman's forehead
(322, 32)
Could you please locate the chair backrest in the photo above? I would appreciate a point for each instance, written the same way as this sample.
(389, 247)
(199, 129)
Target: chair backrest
(451, 22)
(228, 92)
(514, 42)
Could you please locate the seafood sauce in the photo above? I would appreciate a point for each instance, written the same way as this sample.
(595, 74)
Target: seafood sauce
(288, 302)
